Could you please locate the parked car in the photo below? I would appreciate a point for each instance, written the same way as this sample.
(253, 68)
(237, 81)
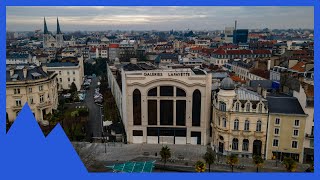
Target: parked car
(98, 97)
(98, 100)
(81, 96)
(99, 104)
(68, 95)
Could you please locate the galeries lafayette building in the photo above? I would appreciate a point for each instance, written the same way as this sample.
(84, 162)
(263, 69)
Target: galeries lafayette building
(166, 106)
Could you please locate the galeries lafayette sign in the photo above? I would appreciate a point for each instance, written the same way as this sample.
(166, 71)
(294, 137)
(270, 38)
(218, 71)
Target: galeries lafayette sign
(169, 74)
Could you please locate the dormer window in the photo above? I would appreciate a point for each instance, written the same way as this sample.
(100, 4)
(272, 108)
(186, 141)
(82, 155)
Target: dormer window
(248, 107)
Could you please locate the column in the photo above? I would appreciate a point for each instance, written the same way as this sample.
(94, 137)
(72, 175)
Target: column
(174, 112)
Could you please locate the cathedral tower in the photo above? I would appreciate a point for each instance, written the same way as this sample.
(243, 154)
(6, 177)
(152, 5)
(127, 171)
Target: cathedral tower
(59, 35)
(46, 34)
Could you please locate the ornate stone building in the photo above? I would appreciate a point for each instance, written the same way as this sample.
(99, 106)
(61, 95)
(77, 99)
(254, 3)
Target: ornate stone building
(240, 119)
(33, 85)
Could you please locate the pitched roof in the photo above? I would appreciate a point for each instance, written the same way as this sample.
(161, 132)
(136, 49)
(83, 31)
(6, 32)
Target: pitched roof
(113, 45)
(60, 64)
(197, 48)
(220, 52)
(300, 67)
(168, 56)
(17, 56)
(284, 105)
(267, 84)
(236, 52)
(33, 72)
(236, 78)
(261, 51)
(245, 94)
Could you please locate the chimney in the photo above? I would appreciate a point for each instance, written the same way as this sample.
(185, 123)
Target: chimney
(259, 89)
(45, 69)
(133, 60)
(11, 72)
(264, 93)
(269, 64)
(25, 72)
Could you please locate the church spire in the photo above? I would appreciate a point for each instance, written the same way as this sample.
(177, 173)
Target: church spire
(45, 29)
(58, 27)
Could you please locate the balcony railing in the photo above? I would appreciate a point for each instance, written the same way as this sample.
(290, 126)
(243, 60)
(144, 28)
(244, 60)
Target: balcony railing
(44, 104)
(246, 133)
(311, 136)
(15, 107)
(236, 132)
(258, 134)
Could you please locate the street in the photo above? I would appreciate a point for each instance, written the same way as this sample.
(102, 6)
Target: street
(94, 128)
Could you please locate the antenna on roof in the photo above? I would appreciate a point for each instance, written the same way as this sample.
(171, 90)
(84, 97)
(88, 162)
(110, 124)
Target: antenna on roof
(235, 25)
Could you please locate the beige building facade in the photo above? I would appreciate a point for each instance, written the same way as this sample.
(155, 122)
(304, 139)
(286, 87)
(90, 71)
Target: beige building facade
(239, 123)
(286, 131)
(32, 85)
(166, 106)
(67, 72)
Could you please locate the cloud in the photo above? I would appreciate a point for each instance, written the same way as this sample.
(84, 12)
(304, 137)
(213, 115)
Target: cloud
(161, 17)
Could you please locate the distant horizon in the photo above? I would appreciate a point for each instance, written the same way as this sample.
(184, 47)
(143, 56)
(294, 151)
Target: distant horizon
(158, 30)
(161, 18)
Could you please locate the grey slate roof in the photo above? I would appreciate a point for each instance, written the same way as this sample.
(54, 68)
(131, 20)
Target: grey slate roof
(244, 94)
(284, 105)
(266, 84)
(33, 72)
(17, 56)
(60, 64)
(138, 67)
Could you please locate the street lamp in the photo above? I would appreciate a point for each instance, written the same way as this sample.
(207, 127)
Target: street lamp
(105, 142)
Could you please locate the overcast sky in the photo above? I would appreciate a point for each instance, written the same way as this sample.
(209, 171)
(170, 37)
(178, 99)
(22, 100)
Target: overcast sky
(73, 18)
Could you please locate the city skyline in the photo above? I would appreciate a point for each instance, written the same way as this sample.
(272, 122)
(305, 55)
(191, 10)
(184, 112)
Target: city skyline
(101, 18)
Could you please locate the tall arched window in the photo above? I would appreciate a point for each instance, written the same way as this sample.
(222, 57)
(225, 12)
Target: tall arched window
(136, 98)
(224, 120)
(152, 92)
(166, 90)
(246, 125)
(235, 143)
(260, 108)
(248, 107)
(236, 124)
(237, 106)
(245, 145)
(222, 106)
(180, 92)
(258, 128)
(196, 108)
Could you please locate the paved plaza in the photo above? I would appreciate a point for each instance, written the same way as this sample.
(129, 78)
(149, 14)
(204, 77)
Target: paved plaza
(97, 155)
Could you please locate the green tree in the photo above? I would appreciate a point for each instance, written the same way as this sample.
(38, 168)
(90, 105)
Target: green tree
(200, 166)
(232, 160)
(83, 112)
(209, 157)
(73, 88)
(312, 166)
(290, 164)
(165, 154)
(258, 161)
